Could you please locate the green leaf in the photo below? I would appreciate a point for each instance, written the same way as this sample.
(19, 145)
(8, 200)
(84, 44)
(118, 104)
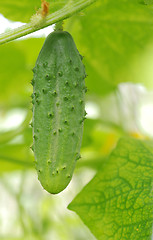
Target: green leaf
(92, 161)
(16, 154)
(114, 36)
(89, 128)
(22, 11)
(117, 203)
(148, 2)
(97, 137)
(15, 157)
(17, 60)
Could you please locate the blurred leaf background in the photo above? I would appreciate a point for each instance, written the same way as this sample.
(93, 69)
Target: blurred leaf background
(116, 40)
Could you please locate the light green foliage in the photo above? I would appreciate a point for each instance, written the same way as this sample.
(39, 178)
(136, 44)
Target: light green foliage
(18, 157)
(13, 59)
(148, 2)
(58, 110)
(17, 58)
(112, 40)
(117, 203)
(16, 62)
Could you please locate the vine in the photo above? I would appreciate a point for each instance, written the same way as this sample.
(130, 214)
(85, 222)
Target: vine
(67, 11)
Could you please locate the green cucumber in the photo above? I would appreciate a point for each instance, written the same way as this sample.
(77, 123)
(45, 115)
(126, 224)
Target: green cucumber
(58, 110)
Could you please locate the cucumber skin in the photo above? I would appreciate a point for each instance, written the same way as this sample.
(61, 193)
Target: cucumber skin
(58, 110)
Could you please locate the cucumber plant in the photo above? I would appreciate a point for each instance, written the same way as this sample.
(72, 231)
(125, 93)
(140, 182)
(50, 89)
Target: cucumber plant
(58, 110)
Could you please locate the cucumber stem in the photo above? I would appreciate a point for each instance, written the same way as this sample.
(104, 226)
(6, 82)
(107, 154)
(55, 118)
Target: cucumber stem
(58, 26)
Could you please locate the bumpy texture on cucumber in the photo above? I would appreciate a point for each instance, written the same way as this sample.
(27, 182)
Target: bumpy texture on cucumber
(58, 110)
